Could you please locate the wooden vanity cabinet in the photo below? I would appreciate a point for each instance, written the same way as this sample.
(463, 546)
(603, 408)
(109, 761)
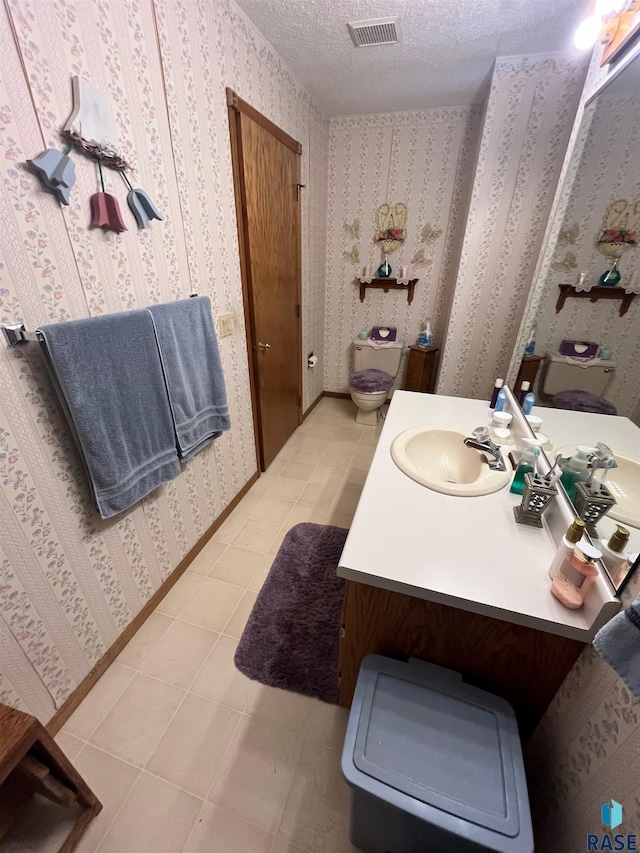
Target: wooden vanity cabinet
(523, 665)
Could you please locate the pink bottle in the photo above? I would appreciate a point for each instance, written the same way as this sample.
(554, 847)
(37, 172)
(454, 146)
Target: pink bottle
(576, 576)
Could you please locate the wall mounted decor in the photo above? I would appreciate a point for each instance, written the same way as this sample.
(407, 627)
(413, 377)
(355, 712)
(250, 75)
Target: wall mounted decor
(620, 226)
(56, 171)
(568, 263)
(390, 230)
(568, 236)
(352, 229)
(619, 234)
(353, 256)
(141, 205)
(420, 259)
(105, 210)
(430, 235)
(91, 126)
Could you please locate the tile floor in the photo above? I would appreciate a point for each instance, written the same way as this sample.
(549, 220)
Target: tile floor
(186, 753)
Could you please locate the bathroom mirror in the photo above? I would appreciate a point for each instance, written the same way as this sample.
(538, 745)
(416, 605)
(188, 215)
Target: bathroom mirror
(601, 176)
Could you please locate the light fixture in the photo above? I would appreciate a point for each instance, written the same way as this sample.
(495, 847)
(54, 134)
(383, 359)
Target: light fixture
(587, 33)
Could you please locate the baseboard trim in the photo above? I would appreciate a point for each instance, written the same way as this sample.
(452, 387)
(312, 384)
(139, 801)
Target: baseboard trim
(68, 707)
(339, 394)
(312, 406)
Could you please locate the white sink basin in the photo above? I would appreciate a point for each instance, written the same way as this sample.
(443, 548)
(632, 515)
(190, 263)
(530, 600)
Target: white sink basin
(438, 459)
(624, 484)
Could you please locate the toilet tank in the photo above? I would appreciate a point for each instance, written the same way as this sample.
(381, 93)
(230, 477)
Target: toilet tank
(561, 375)
(387, 358)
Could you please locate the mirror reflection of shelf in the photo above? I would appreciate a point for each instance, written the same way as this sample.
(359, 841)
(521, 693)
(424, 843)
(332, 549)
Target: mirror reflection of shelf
(387, 284)
(597, 292)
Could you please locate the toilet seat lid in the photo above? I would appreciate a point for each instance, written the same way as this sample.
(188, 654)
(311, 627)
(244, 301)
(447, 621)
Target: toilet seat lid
(370, 381)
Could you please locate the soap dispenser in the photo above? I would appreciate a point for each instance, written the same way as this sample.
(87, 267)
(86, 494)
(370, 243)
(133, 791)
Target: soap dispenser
(571, 538)
(526, 465)
(425, 337)
(575, 469)
(613, 555)
(576, 576)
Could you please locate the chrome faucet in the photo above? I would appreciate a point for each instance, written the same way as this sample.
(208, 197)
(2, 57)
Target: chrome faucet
(480, 441)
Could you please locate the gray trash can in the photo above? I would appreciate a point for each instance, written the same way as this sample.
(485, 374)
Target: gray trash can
(434, 765)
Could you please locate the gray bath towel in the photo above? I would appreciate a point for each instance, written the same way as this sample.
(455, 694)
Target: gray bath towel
(108, 375)
(619, 644)
(192, 370)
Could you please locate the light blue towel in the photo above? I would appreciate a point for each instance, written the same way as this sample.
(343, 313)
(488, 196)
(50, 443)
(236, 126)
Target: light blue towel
(619, 644)
(108, 375)
(192, 370)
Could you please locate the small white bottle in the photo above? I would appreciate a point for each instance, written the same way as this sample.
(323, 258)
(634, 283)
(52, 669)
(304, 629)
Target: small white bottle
(613, 555)
(571, 538)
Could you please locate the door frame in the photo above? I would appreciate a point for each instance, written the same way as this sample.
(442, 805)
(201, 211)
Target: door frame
(235, 107)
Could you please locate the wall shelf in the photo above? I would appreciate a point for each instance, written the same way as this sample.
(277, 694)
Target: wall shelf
(596, 293)
(387, 284)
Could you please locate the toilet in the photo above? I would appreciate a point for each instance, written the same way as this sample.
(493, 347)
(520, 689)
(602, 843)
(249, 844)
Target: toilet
(578, 386)
(375, 369)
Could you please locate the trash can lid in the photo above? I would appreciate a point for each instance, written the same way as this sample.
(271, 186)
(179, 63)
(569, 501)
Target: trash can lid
(442, 743)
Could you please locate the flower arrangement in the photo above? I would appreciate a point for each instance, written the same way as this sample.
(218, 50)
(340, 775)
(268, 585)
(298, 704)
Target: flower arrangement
(388, 235)
(614, 242)
(618, 235)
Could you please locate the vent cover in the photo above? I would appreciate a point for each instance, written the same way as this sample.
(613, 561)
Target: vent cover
(374, 32)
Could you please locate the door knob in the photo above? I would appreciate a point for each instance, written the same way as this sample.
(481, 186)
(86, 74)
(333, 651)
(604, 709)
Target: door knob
(263, 347)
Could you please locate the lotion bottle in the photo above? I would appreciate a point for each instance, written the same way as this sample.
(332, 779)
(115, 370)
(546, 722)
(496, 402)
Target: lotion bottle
(576, 576)
(501, 400)
(495, 392)
(524, 390)
(571, 538)
(424, 339)
(613, 555)
(529, 402)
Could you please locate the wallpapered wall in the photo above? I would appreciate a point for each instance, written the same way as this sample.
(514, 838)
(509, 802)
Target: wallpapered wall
(422, 158)
(70, 583)
(604, 169)
(528, 119)
(585, 751)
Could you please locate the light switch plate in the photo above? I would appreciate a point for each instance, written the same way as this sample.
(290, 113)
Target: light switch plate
(225, 322)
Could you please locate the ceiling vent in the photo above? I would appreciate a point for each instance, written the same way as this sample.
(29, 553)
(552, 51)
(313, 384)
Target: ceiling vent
(374, 32)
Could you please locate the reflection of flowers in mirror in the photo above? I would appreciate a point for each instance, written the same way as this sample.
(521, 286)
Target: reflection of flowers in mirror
(396, 234)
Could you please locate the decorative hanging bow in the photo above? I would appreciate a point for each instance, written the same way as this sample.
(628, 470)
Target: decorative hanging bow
(56, 171)
(141, 205)
(105, 210)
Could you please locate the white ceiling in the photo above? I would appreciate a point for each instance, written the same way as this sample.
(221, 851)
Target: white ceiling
(445, 59)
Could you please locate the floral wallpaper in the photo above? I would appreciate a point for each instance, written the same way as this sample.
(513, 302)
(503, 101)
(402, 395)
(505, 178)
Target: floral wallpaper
(585, 751)
(423, 159)
(527, 122)
(69, 582)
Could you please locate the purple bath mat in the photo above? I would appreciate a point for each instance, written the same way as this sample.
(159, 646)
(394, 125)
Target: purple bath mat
(293, 634)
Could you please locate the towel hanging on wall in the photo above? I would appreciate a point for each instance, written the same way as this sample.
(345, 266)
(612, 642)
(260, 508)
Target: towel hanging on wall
(193, 372)
(108, 375)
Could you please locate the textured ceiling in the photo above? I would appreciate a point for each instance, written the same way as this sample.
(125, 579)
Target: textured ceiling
(445, 57)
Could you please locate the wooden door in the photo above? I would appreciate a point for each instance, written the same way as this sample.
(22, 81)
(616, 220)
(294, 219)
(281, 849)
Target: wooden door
(267, 182)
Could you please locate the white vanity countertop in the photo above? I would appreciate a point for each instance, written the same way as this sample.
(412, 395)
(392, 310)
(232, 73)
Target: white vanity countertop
(468, 553)
(570, 428)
